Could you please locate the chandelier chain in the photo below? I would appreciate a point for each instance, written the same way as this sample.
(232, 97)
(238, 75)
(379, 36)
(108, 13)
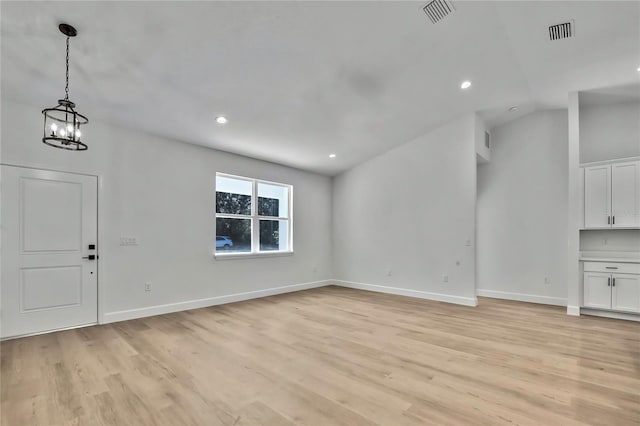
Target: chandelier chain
(66, 88)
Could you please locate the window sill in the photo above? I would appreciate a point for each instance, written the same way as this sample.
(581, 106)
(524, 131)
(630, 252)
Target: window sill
(231, 256)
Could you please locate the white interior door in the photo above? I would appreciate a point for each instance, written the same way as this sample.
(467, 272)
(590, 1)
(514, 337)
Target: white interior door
(597, 197)
(625, 194)
(49, 221)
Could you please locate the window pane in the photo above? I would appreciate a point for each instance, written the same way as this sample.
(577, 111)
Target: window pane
(273, 200)
(274, 235)
(233, 196)
(233, 235)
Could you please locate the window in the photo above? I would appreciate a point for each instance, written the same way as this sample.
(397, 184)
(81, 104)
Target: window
(252, 216)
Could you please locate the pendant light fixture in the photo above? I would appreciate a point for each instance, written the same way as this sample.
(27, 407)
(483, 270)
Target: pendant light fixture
(62, 122)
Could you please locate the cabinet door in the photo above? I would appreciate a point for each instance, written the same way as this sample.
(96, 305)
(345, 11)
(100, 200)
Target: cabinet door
(625, 293)
(597, 290)
(597, 196)
(625, 195)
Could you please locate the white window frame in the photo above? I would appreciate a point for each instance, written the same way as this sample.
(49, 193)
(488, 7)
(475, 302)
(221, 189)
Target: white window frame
(255, 220)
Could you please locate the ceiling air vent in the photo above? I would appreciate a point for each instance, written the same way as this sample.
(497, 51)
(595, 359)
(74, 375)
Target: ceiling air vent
(436, 10)
(560, 31)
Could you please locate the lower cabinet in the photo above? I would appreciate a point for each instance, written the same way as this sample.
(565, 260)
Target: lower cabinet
(597, 290)
(617, 291)
(625, 292)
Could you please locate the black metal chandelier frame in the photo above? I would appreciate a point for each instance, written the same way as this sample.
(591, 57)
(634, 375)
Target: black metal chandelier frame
(62, 123)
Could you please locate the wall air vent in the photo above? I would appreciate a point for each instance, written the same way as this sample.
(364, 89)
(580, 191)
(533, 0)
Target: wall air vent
(436, 10)
(560, 31)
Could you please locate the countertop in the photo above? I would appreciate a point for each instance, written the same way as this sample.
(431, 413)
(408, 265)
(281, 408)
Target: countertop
(610, 256)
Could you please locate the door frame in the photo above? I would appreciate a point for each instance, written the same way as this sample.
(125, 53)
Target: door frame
(99, 238)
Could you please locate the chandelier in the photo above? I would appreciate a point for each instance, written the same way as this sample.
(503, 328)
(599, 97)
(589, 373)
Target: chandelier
(62, 122)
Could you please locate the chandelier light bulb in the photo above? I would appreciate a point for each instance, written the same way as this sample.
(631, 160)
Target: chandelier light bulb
(54, 127)
(78, 134)
(63, 133)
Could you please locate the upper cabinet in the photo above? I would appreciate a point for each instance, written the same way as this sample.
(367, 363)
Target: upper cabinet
(612, 195)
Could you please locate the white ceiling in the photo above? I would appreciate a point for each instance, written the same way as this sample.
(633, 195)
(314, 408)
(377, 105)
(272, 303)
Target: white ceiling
(301, 80)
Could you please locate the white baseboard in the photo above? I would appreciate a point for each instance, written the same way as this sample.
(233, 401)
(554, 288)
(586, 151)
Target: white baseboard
(459, 300)
(608, 314)
(129, 314)
(573, 310)
(521, 297)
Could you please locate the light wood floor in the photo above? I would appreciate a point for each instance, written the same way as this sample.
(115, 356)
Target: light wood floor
(331, 356)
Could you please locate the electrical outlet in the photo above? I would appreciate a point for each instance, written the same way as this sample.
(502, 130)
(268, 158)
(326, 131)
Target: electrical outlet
(468, 243)
(147, 286)
(315, 270)
(604, 242)
(389, 272)
(547, 280)
(445, 278)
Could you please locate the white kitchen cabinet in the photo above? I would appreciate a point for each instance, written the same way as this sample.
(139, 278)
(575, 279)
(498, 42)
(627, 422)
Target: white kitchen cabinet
(625, 292)
(597, 196)
(625, 195)
(612, 286)
(612, 195)
(597, 290)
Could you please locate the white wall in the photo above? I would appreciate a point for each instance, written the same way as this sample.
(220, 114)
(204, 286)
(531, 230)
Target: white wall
(609, 131)
(411, 211)
(162, 192)
(522, 210)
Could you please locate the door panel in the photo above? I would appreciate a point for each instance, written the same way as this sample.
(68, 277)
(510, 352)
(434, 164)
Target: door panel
(626, 293)
(625, 194)
(597, 196)
(60, 229)
(48, 221)
(597, 290)
(50, 288)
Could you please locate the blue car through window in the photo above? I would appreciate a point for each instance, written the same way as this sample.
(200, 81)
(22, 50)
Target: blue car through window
(223, 242)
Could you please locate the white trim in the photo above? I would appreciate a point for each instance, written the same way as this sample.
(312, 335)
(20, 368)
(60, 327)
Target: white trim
(613, 161)
(522, 297)
(609, 314)
(573, 310)
(211, 301)
(247, 255)
(100, 269)
(458, 300)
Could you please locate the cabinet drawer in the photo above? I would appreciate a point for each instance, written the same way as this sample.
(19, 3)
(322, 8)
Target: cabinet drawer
(611, 267)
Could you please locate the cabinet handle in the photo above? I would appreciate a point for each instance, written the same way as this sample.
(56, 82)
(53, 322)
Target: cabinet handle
(608, 220)
(613, 220)
(613, 283)
(611, 267)
(609, 282)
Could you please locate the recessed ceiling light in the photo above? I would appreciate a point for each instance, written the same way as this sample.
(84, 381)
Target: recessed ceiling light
(465, 84)
(513, 108)
(221, 119)
(638, 69)
(332, 156)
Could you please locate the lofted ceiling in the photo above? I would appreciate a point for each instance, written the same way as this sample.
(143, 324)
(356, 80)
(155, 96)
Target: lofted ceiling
(301, 80)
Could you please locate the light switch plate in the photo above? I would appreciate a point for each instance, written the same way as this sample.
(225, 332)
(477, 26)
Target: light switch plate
(128, 241)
